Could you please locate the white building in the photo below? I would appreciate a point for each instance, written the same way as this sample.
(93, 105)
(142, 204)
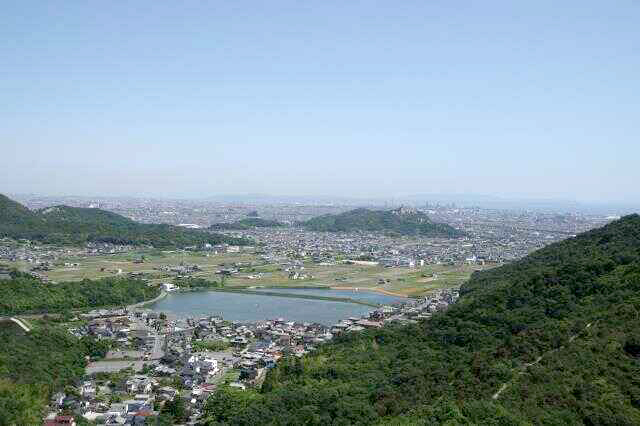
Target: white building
(169, 287)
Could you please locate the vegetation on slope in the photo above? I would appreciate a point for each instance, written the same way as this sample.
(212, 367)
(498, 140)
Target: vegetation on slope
(73, 225)
(26, 294)
(398, 222)
(247, 223)
(556, 331)
(34, 365)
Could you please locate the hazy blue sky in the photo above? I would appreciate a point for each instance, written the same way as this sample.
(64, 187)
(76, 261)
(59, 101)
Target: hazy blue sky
(357, 98)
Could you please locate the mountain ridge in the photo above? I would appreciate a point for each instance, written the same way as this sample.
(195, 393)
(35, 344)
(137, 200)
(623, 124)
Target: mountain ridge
(76, 225)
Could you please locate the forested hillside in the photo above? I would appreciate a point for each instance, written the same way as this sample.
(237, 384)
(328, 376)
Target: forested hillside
(550, 339)
(73, 225)
(396, 222)
(25, 294)
(34, 365)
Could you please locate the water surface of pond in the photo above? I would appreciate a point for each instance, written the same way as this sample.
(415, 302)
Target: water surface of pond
(254, 307)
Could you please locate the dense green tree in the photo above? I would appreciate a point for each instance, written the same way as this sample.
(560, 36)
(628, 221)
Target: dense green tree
(27, 294)
(32, 366)
(95, 348)
(209, 345)
(160, 420)
(21, 404)
(196, 283)
(226, 404)
(176, 409)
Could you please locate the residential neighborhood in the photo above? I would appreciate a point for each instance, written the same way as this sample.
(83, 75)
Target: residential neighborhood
(155, 358)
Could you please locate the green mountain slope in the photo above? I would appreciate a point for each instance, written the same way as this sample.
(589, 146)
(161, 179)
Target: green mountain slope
(14, 215)
(73, 225)
(550, 339)
(25, 294)
(36, 364)
(400, 222)
(13, 212)
(247, 223)
(60, 215)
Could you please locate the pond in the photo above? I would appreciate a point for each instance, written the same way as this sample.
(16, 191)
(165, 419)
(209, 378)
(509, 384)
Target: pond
(255, 307)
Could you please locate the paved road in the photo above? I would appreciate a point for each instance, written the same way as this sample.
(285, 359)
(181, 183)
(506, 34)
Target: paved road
(134, 355)
(22, 324)
(113, 366)
(157, 352)
(145, 302)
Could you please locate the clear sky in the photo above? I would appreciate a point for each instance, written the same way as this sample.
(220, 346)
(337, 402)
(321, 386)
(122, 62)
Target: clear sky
(350, 98)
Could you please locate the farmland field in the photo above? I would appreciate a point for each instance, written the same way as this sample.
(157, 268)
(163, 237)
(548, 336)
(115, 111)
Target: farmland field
(254, 271)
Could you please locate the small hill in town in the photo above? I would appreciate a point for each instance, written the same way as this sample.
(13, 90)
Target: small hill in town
(401, 221)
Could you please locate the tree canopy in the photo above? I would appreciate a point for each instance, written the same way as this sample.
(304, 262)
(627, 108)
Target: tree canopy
(24, 294)
(34, 365)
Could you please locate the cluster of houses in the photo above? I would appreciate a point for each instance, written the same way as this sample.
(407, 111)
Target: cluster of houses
(182, 269)
(43, 256)
(224, 248)
(410, 311)
(155, 359)
(129, 401)
(492, 236)
(325, 247)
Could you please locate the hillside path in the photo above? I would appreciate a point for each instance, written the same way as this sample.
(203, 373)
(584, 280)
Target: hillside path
(522, 369)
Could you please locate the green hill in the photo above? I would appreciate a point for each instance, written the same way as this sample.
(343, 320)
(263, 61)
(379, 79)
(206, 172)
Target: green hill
(551, 339)
(247, 223)
(86, 216)
(400, 222)
(25, 294)
(14, 214)
(73, 225)
(34, 365)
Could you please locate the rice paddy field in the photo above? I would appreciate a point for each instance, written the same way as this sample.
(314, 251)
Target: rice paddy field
(255, 272)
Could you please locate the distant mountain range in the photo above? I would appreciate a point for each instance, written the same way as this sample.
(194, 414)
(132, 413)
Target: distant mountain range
(548, 205)
(461, 200)
(74, 225)
(401, 221)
